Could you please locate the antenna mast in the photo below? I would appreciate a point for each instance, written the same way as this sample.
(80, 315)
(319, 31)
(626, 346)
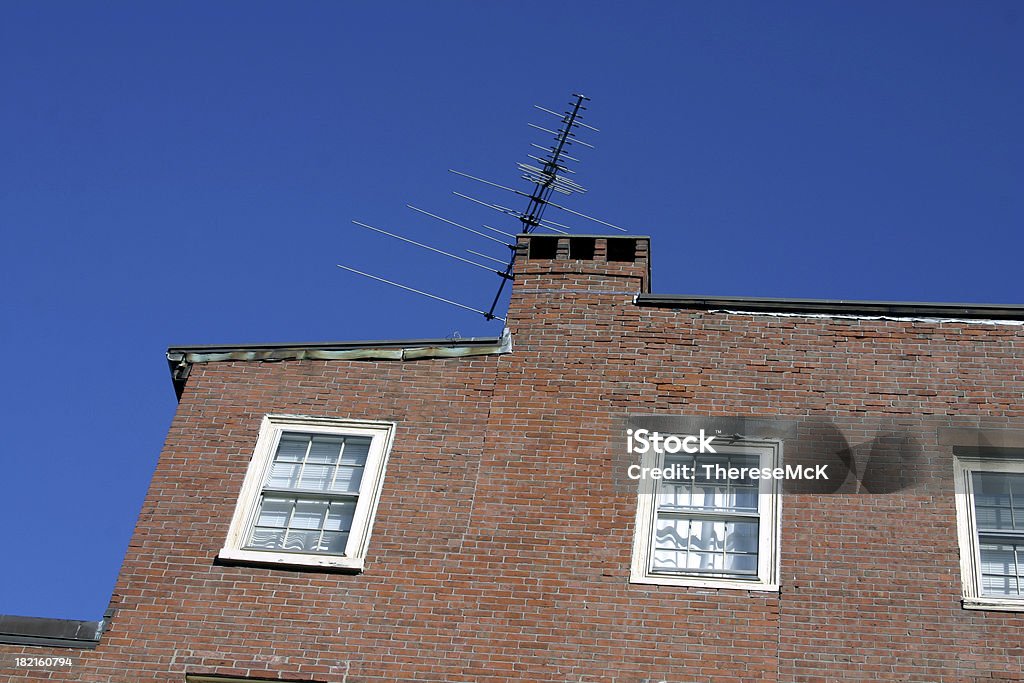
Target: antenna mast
(547, 173)
(547, 178)
(545, 181)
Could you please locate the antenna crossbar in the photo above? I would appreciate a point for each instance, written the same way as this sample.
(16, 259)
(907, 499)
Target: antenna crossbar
(489, 258)
(511, 212)
(500, 232)
(550, 150)
(459, 225)
(563, 169)
(487, 315)
(564, 115)
(434, 249)
(523, 194)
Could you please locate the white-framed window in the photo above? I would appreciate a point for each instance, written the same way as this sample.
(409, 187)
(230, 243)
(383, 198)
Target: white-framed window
(310, 492)
(990, 525)
(710, 531)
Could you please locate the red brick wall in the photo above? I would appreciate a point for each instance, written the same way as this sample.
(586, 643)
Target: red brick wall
(501, 547)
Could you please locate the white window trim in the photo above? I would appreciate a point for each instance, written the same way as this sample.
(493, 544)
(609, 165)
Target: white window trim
(967, 532)
(271, 428)
(770, 527)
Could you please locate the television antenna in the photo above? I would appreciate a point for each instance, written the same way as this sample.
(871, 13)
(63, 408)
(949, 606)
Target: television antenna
(548, 174)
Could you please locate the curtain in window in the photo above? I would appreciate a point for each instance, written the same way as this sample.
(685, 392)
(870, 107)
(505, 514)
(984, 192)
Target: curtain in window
(707, 522)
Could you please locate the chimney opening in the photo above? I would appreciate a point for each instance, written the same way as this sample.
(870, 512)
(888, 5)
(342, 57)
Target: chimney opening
(543, 247)
(621, 249)
(582, 248)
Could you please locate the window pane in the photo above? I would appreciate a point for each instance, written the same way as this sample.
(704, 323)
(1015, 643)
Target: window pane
(998, 585)
(998, 559)
(283, 475)
(316, 477)
(309, 514)
(670, 559)
(304, 541)
(710, 497)
(993, 517)
(745, 498)
(325, 449)
(333, 542)
(741, 536)
(356, 450)
(674, 494)
(707, 535)
(692, 534)
(1002, 566)
(340, 516)
(991, 488)
(266, 539)
(319, 463)
(347, 479)
(672, 533)
(705, 561)
(274, 512)
(741, 564)
(292, 448)
(710, 562)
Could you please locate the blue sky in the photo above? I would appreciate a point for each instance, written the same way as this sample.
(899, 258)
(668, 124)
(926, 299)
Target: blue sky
(186, 173)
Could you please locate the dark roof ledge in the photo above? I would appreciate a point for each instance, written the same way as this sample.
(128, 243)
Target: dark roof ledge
(837, 307)
(52, 632)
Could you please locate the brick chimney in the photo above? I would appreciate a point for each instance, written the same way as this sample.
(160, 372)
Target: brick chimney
(583, 262)
(552, 271)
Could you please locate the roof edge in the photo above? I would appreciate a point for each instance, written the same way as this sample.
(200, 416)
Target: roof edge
(894, 309)
(181, 358)
(47, 632)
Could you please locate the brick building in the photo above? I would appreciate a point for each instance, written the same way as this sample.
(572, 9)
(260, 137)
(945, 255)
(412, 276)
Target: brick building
(436, 510)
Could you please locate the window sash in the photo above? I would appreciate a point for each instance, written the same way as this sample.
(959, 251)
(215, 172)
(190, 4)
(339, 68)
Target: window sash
(993, 542)
(329, 535)
(703, 552)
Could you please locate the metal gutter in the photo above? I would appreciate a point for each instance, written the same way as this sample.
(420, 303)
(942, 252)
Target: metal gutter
(181, 358)
(45, 632)
(838, 307)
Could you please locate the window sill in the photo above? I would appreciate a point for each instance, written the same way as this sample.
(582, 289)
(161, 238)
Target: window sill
(694, 582)
(290, 560)
(993, 604)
